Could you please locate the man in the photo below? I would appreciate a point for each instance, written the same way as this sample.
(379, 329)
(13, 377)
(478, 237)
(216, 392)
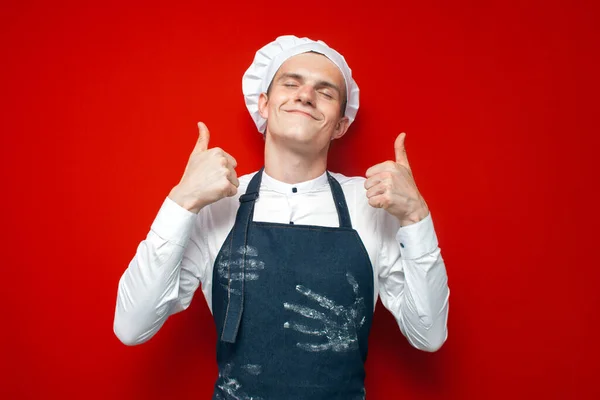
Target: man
(291, 259)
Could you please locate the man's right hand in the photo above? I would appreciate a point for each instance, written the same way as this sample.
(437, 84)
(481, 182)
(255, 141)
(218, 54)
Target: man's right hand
(209, 176)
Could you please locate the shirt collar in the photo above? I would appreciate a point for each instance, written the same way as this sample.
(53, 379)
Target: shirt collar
(290, 189)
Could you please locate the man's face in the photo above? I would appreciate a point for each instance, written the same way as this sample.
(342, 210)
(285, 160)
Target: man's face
(304, 104)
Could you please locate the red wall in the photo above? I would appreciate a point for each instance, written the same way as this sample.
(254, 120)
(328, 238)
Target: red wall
(99, 106)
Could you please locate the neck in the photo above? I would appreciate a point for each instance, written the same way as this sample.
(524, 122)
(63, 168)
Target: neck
(292, 166)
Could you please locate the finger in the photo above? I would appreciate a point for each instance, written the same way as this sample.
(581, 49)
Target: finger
(232, 177)
(373, 180)
(379, 201)
(203, 137)
(379, 168)
(232, 191)
(400, 150)
(378, 189)
(230, 160)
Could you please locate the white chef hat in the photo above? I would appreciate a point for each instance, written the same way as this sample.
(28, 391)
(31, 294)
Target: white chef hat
(267, 61)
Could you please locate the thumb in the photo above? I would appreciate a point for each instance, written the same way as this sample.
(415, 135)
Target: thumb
(400, 150)
(203, 137)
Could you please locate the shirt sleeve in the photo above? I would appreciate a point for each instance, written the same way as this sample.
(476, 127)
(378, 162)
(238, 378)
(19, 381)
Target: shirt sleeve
(162, 276)
(413, 283)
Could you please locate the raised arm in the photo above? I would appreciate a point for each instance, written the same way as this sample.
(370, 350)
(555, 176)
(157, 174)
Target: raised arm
(412, 274)
(169, 264)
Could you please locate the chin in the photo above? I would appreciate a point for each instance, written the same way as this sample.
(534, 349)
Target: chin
(297, 133)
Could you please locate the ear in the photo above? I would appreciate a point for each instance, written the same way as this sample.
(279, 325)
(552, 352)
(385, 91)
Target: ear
(263, 100)
(341, 128)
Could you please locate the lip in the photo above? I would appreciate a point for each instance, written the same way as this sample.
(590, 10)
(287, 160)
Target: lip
(300, 112)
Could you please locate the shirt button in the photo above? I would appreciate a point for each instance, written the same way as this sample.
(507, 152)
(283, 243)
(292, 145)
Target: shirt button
(402, 245)
(294, 190)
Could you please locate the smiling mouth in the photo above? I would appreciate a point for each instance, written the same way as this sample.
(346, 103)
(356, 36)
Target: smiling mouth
(301, 113)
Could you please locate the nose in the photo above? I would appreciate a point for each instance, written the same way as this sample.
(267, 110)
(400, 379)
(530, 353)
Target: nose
(306, 95)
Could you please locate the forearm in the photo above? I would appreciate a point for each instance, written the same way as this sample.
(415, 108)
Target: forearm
(423, 305)
(414, 284)
(153, 287)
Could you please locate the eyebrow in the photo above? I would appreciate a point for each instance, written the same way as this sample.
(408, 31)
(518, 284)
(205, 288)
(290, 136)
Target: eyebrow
(299, 77)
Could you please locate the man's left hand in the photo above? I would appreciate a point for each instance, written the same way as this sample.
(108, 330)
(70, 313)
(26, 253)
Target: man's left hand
(391, 186)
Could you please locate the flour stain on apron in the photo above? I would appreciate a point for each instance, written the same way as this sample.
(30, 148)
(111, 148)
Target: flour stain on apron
(232, 270)
(340, 323)
(252, 369)
(231, 388)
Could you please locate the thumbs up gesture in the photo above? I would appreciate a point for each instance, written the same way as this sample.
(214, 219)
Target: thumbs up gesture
(391, 186)
(209, 176)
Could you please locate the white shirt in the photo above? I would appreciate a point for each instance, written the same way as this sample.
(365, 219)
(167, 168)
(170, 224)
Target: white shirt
(179, 252)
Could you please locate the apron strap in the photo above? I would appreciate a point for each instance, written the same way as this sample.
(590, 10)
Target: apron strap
(340, 202)
(238, 246)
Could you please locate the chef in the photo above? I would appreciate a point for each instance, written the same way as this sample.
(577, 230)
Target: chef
(291, 259)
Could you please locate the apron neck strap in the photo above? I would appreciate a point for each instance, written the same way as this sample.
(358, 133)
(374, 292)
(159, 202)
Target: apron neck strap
(340, 202)
(253, 188)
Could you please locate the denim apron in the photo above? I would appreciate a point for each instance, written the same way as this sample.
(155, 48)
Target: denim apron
(292, 306)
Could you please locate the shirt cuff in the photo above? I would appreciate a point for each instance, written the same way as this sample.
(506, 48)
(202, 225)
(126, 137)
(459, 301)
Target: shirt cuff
(418, 239)
(173, 223)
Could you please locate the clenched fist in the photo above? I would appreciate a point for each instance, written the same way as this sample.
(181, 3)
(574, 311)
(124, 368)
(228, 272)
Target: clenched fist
(390, 185)
(209, 176)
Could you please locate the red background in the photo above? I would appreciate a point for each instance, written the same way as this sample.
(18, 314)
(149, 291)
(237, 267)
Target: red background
(499, 100)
